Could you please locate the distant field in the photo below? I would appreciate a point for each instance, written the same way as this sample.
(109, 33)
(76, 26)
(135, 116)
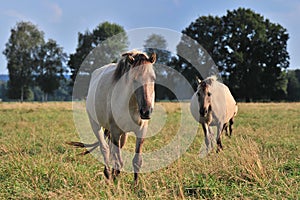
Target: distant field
(260, 161)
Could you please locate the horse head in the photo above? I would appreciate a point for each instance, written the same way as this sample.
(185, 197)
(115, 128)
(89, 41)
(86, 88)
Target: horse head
(204, 98)
(142, 76)
(143, 80)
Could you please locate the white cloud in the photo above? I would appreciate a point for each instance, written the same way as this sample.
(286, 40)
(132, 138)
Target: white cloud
(176, 2)
(15, 14)
(56, 11)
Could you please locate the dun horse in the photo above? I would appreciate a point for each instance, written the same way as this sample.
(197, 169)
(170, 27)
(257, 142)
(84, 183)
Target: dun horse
(213, 105)
(120, 100)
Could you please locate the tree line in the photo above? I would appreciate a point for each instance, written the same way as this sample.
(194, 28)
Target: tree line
(249, 51)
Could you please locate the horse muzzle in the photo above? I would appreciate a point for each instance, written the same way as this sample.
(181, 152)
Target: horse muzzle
(145, 113)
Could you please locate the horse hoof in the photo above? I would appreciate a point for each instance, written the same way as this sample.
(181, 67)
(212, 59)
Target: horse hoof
(106, 173)
(115, 173)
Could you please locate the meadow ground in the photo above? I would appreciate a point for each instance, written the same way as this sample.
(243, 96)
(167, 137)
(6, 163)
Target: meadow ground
(260, 161)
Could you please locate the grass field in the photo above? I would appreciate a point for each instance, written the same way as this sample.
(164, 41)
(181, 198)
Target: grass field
(260, 161)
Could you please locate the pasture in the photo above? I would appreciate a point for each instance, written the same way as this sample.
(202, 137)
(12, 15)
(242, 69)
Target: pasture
(260, 161)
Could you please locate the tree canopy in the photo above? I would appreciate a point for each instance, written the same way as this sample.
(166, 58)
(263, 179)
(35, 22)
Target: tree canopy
(20, 51)
(113, 40)
(50, 69)
(32, 62)
(250, 52)
(95, 49)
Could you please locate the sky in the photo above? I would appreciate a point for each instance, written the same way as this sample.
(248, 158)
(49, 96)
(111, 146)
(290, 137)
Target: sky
(63, 20)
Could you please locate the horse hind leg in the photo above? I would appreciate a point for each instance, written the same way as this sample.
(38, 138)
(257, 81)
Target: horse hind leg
(100, 134)
(220, 146)
(225, 128)
(105, 151)
(115, 151)
(123, 140)
(231, 121)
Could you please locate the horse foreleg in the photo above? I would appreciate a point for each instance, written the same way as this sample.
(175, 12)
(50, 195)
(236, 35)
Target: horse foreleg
(137, 160)
(206, 136)
(104, 150)
(219, 133)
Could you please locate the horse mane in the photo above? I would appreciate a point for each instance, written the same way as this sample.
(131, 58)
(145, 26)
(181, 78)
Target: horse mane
(129, 60)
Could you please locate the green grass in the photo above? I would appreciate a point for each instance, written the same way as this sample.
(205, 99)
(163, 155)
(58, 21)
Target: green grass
(260, 161)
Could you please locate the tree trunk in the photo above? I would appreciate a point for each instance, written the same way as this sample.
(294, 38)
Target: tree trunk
(22, 94)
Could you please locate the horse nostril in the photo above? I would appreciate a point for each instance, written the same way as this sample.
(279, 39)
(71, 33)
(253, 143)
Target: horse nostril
(203, 112)
(145, 113)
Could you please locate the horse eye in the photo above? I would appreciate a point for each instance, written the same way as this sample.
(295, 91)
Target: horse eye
(209, 94)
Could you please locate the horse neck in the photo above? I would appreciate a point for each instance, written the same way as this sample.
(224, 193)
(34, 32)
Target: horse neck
(124, 91)
(125, 103)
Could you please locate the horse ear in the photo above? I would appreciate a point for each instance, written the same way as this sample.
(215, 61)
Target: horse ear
(198, 80)
(126, 54)
(130, 59)
(152, 58)
(203, 85)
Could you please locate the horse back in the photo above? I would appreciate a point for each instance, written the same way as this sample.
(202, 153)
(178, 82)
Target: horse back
(223, 103)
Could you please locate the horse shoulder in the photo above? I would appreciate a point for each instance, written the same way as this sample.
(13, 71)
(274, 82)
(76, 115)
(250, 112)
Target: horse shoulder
(218, 99)
(98, 89)
(194, 107)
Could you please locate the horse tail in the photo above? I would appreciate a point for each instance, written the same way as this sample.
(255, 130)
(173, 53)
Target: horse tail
(83, 145)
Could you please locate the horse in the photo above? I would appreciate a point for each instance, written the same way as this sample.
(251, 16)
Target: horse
(120, 100)
(213, 105)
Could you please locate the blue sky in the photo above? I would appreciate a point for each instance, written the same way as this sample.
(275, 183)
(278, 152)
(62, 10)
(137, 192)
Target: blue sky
(62, 20)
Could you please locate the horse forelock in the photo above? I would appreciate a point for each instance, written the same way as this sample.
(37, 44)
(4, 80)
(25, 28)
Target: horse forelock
(123, 66)
(208, 82)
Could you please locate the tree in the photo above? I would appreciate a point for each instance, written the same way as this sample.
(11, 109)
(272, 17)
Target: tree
(258, 51)
(3, 90)
(293, 87)
(20, 52)
(95, 49)
(156, 43)
(250, 52)
(50, 69)
(115, 43)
